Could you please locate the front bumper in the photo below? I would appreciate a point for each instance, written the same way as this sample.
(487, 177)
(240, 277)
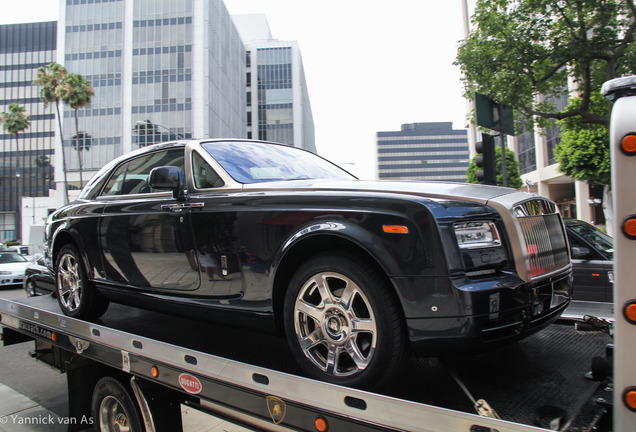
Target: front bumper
(10, 280)
(495, 315)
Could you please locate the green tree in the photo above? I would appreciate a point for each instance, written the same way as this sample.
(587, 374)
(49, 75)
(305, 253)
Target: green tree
(49, 78)
(584, 152)
(522, 52)
(75, 91)
(512, 169)
(14, 121)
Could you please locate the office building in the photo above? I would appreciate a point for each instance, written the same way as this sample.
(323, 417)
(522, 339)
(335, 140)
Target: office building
(23, 49)
(278, 107)
(161, 70)
(423, 151)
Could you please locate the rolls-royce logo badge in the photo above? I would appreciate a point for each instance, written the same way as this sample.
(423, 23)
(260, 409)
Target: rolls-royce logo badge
(334, 325)
(277, 409)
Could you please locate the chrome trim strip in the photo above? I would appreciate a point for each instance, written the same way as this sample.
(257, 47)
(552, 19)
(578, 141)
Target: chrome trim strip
(512, 206)
(146, 414)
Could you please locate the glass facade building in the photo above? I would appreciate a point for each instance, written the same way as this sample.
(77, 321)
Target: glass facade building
(93, 40)
(275, 96)
(161, 70)
(423, 151)
(526, 151)
(23, 49)
(278, 107)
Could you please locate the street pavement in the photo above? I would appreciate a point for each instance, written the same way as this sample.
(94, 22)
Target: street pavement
(33, 395)
(20, 413)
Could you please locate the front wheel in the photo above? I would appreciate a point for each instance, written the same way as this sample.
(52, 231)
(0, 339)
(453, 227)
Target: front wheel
(30, 288)
(342, 322)
(75, 294)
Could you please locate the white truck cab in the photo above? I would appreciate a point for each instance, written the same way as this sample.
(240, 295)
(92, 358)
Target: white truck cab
(622, 91)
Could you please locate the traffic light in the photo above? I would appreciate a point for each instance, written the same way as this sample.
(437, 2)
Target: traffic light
(485, 160)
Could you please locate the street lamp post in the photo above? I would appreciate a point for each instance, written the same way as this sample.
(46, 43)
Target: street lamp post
(18, 213)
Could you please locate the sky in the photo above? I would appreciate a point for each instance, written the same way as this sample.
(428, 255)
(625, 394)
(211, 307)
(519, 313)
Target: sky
(370, 65)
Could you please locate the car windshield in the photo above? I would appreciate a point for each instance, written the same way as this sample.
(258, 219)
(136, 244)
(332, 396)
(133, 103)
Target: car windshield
(597, 238)
(255, 162)
(11, 257)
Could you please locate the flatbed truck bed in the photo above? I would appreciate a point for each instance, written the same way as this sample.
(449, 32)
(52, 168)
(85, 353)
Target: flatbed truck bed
(251, 379)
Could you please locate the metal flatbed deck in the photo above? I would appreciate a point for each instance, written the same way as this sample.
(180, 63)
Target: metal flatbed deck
(518, 381)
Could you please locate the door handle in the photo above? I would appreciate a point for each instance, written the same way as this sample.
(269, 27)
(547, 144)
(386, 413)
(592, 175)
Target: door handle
(179, 207)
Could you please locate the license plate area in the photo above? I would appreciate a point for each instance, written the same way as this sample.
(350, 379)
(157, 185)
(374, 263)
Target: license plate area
(550, 295)
(542, 299)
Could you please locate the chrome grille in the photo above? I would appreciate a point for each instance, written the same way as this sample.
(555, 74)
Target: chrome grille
(545, 243)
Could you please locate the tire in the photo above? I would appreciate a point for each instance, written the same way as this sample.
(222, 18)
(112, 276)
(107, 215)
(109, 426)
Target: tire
(113, 408)
(30, 288)
(75, 293)
(342, 323)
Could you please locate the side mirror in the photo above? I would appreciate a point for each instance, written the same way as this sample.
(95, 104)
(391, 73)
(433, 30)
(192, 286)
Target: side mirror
(579, 252)
(168, 177)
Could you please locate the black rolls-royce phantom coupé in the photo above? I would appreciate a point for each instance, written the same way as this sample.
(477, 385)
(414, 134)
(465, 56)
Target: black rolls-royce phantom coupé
(357, 274)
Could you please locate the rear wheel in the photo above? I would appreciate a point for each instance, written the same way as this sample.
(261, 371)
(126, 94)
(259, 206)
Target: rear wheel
(75, 294)
(113, 408)
(342, 323)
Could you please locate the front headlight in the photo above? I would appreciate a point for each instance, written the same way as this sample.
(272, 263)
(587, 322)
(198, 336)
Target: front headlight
(481, 247)
(476, 234)
(5, 273)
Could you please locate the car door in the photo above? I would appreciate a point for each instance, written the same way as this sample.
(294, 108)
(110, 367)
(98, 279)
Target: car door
(146, 238)
(215, 224)
(592, 282)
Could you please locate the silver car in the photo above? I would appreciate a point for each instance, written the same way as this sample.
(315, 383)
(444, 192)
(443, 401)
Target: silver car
(12, 267)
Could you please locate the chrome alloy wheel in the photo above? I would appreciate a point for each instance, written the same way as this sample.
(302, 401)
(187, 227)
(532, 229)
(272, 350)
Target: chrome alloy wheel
(69, 282)
(112, 416)
(30, 288)
(335, 324)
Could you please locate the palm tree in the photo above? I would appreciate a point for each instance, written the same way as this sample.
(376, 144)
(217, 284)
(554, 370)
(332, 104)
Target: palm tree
(82, 141)
(44, 164)
(49, 79)
(14, 121)
(76, 92)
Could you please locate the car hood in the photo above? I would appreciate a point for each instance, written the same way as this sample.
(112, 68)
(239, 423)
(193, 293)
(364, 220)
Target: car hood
(14, 267)
(435, 190)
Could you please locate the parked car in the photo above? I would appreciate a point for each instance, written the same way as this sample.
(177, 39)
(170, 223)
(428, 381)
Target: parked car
(592, 264)
(355, 273)
(12, 266)
(38, 278)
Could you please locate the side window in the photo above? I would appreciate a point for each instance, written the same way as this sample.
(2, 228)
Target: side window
(204, 176)
(114, 184)
(132, 177)
(575, 242)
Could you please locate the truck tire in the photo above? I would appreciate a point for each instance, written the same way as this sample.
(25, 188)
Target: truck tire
(113, 408)
(342, 323)
(75, 293)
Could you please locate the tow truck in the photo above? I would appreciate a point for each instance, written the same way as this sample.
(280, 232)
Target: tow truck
(140, 370)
